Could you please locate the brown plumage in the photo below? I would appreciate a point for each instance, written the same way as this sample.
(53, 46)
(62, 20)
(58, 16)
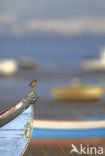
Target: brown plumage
(33, 83)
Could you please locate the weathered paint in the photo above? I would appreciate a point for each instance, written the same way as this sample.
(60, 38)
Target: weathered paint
(13, 138)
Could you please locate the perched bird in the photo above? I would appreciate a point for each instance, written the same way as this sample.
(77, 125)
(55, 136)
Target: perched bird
(33, 84)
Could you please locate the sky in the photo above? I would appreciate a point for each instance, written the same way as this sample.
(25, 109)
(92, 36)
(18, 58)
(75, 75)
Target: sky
(45, 9)
(57, 16)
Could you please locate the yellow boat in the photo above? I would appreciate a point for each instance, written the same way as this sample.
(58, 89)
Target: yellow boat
(78, 92)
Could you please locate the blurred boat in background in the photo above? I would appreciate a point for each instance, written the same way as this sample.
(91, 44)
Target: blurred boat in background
(8, 67)
(27, 63)
(78, 91)
(95, 64)
(46, 132)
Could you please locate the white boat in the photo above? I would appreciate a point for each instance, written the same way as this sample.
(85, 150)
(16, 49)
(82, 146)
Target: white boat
(57, 133)
(95, 64)
(8, 66)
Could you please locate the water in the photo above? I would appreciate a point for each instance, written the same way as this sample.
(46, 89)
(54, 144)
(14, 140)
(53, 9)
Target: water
(53, 52)
(59, 59)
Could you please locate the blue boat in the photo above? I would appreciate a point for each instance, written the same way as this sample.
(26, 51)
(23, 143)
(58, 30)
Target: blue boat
(47, 132)
(16, 126)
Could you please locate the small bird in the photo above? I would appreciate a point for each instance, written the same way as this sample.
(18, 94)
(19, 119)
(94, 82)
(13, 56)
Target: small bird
(33, 84)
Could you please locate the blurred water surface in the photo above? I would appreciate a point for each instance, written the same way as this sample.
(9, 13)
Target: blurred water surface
(52, 52)
(59, 59)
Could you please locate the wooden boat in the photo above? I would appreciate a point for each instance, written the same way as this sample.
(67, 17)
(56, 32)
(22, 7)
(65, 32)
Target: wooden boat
(11, 113)
(16, 126)
(78, 92)
(56, 133)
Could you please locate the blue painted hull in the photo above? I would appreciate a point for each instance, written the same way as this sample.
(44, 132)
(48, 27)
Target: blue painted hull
(41, 133)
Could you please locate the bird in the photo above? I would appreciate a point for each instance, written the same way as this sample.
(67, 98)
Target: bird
(33, 84)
